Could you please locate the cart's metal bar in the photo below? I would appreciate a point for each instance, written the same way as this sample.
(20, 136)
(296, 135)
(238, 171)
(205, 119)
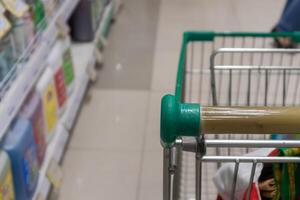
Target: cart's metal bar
(251, 159)
(166, 175)
(198, 176)
(166, 180)
(230, 88)
(245, 68)
(169, 172)
(252, 143)
(256, 50)
(241, 61)
(190, 144)
(266, 86)
(284, 88)
(251, 180)
(289, 74)
(236, 170)
(202, 74)
(255, 67)
(278, 80)
(249, 87)
(296, 90)
(221, 63)
(259, 77)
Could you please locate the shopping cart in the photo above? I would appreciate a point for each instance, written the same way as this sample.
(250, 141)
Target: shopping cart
(246, 90)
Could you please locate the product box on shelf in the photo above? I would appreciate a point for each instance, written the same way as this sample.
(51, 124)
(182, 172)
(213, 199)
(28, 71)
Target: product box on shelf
(55, 62)
(7, 57)
(20, 146)
(6, 178)
(68, 66)
(32, 110)
(46, 88)
(23, 33)
(38, 14)
(22, 24)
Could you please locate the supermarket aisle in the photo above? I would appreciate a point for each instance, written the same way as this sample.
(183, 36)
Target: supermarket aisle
(104, 159)
(115, 151)
(129, 59)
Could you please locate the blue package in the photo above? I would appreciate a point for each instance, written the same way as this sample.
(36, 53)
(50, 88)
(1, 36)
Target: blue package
(20, 146)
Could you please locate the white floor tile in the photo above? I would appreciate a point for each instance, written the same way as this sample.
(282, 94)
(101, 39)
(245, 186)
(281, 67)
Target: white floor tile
(151, 176)
(113, 119)
(100, 175)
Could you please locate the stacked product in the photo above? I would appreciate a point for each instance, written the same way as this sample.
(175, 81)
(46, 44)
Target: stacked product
(46, 88)
(65, 47)
(20, 146)
(6, 178)
(55, 63)
(38, 14)
(22, 25)
(26, 141)
(6, 44)
(20, 21)
(32, 111)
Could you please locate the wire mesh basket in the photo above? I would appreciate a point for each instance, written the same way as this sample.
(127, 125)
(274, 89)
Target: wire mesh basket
(247, 91)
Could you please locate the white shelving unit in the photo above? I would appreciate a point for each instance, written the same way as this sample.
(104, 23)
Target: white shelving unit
(85, 56)
(31, 71)
(84, 59)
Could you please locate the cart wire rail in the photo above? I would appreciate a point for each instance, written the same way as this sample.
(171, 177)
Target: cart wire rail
(247, 90)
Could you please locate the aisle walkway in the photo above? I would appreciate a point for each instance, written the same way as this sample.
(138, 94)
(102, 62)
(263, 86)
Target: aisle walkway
(115, 151)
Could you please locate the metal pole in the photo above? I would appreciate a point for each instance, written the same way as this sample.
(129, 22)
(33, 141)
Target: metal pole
(166, 177)
(236, 171)
(201, 150)
(169, 171)
(198, 175)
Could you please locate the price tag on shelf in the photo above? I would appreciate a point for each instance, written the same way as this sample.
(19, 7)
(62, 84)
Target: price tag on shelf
(16, 7)
(63, 28)
(54, 173)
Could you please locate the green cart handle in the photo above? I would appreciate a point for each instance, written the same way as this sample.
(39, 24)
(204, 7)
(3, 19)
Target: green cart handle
(178, 119)
(181, 119)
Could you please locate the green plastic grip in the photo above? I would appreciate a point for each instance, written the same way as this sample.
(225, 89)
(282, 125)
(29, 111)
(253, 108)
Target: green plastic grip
(178, 119)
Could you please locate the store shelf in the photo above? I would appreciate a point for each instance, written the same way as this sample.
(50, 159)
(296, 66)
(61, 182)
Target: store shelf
(83, 58)
(106, 19)
(54, 152)
(31, 71)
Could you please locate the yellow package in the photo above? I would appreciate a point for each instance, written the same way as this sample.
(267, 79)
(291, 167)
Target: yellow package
(50, 107)
(16, 7)
(6, 180)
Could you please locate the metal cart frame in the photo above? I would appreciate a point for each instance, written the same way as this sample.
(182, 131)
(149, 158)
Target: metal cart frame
(182, 118)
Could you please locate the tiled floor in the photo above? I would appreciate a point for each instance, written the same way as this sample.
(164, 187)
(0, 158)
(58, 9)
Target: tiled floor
(128, 60)
(115, 150)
